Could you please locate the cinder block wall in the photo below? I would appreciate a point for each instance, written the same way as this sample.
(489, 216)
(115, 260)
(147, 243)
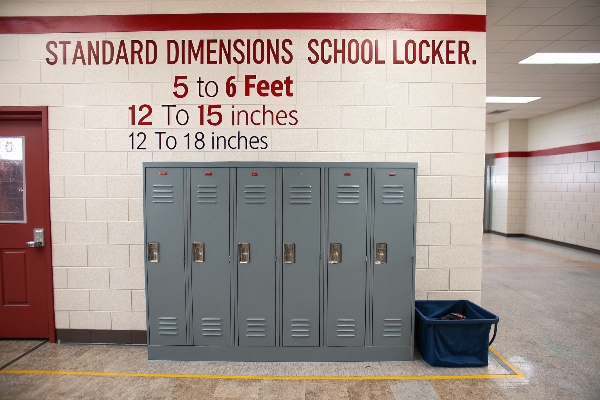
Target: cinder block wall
(557, 196)
(432, 114)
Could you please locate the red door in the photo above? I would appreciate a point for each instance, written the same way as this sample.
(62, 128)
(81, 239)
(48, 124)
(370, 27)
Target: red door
(26, 309)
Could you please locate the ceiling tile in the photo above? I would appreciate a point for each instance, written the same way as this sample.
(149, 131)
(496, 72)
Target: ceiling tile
(585, 3)
(495, 14)
(580, 77)
(497, 67)
(547, 3)
(556, 86)
(504, 58)
(566, 46)
(524, 69)
(507, 32)
(589, 86)
(529, 16)
(513, 34)
(493, 46)
(523, 85)
(584, 33)
(593, 47)
(574, 16)
(506, 78)
(505, 3)
(544, 77)
(547, 32)
(524, 46)
(564, 69)
(490, 86)
(591, 69)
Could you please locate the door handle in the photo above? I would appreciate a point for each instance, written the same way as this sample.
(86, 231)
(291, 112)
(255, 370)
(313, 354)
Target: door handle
(153, 252)
(244, 253)
(381, 253)
(335, 253)
(198, 252)
(38, 238)
(289, 253)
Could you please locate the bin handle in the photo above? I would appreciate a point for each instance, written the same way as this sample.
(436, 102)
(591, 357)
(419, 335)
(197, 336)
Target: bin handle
(494, 335)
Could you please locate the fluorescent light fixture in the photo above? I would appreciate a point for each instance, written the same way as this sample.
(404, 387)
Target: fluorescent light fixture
(562, 58)
(508, 99)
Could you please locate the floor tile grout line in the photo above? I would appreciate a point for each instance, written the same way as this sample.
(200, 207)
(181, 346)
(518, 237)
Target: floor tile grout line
(34, 348)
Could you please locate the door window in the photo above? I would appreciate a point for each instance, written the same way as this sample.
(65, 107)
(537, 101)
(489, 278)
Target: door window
(12, 180)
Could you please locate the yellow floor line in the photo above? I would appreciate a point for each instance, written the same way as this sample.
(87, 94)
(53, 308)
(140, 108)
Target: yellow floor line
(263, 377)
(516, 374)
(508, 364)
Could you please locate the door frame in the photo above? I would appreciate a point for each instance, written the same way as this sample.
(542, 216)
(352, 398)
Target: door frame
(41, 114)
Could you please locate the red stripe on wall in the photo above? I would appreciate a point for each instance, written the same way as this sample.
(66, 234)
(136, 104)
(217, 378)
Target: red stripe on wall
(576, 148)
(168, 22)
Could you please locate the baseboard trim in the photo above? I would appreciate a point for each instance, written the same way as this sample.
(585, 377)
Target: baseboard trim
(569, 245)
(98, 336)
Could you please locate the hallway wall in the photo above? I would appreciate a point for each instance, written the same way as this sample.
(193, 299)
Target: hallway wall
(555, 180)
(429, 113)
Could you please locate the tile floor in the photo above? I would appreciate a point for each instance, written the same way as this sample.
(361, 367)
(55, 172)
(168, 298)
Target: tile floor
(547, 298)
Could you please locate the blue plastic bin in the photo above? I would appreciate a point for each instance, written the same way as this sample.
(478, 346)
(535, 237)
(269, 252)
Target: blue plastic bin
(453, 343)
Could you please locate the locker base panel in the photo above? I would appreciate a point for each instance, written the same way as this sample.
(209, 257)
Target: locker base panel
(280, 354)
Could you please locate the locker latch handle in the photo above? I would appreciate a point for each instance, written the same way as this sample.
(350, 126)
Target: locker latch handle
(381, 253)
(152, 251)
(335, 253)
(198, 248)
(289, 253)
(244, 253)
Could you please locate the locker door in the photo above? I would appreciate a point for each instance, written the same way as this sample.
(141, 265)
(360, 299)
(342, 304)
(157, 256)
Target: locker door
(393, 273)
(165, 272)
(301, 238)
(209, 248)
(346, 279)
(255, 238)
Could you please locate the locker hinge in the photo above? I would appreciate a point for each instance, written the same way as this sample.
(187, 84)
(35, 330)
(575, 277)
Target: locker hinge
(366, 260)
(229, 258)
(413, 260)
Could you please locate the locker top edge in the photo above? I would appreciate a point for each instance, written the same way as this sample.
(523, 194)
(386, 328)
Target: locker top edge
(275, 164)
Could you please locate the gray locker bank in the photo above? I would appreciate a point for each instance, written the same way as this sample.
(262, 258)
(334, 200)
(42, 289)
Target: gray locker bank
(280, 261)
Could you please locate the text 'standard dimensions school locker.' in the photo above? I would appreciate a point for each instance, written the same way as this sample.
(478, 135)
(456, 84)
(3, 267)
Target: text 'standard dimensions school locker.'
(280, 261)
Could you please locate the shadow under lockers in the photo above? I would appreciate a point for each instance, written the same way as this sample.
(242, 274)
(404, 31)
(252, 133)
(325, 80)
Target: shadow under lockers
(280, 261)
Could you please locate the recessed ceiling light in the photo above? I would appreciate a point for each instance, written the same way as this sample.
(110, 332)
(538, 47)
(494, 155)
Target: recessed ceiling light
(508, 99)
(562, 58)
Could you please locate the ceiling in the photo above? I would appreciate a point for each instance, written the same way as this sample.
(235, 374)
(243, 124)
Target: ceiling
(517, 29)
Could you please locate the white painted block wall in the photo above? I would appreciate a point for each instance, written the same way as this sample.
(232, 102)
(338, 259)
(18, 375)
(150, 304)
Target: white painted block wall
(431, 114)
(554, 197)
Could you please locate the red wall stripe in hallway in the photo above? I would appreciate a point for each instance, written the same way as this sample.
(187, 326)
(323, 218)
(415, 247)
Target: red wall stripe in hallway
(576, 148)
(167, 22)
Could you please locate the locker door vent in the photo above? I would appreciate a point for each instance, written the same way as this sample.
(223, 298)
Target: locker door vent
(207, 193)
(162, 193)
(393, 194)
(255, 194)
(167, 326)
(211, 327)
(300, 194)
(300, 328)
(348, 194)
(346, 327)
(392, 327)
(256, 327)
